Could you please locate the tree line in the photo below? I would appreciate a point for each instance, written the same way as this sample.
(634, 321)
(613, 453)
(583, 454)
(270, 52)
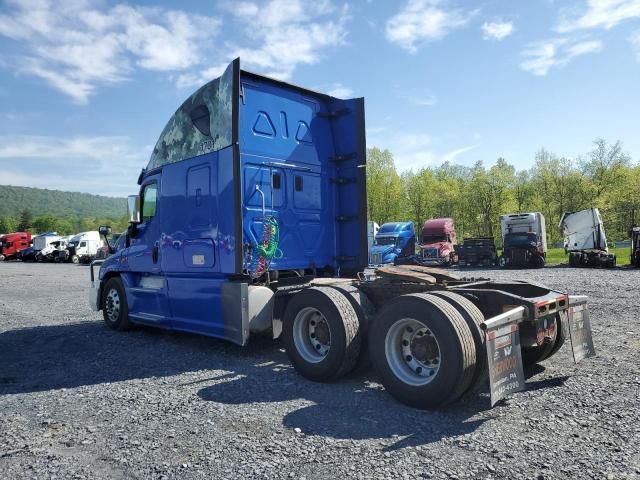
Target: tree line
(26, 221)
(476, 196)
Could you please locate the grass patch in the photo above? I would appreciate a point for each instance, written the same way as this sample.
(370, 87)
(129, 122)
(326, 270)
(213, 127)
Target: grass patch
(557, 255)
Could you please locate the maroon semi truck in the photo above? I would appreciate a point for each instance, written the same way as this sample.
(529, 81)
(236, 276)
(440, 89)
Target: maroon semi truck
(13, 243)
(437, 242)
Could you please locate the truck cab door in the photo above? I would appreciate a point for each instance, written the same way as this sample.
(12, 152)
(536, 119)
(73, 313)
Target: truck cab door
(146, 286)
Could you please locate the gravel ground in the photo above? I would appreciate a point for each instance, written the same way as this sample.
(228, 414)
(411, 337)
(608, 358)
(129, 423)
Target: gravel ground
(80, 401)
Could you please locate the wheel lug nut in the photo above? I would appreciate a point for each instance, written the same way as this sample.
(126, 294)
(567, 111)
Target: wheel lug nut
(312, 335)
(318, 347)
(405, 343)
(313, 323)
(409, 329)
(408, 358)
(419, 370)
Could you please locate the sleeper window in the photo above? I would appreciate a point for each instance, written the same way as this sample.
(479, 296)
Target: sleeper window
(149, 199)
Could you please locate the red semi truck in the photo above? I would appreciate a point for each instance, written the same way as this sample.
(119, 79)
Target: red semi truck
(12, 243)
(437, 242)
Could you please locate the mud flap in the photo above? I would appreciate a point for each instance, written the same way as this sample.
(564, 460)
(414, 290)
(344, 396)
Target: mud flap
(506, 374)
(580, 328)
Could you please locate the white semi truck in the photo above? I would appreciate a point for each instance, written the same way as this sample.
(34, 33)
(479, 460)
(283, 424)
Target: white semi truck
(585, 239)
(83, 247)
(524, 240)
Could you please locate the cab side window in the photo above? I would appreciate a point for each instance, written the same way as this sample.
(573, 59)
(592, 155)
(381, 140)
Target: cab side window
(149, 200)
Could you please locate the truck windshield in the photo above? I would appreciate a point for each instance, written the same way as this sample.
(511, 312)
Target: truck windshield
(434, 238)
(522, 239)
(385, 240)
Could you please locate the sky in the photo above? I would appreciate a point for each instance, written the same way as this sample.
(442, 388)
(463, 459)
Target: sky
(87, 86)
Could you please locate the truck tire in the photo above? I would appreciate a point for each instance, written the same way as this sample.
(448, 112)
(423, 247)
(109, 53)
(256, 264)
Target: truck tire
(321, 333)
(562, 331)
(408, 339)
(537, 261)
(115, 309)
(502, 262)
(365, 310)
(474, 318)
(533, 355)
(75, 259)
(2, 258)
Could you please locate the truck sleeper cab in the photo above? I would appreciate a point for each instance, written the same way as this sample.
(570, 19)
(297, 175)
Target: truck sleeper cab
(585, 239)
(252, 218)
(524, 240)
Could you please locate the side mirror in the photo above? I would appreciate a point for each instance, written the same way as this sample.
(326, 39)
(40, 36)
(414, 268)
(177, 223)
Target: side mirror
(104, 231)
(133, 209)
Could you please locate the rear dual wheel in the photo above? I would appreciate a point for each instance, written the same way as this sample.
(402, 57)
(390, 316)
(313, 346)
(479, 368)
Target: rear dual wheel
(533, 355)
(321, 333)
(423, 350)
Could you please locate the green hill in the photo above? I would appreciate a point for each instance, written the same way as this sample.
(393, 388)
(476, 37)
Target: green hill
(14, 200)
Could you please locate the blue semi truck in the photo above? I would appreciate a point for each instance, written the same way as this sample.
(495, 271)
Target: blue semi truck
(251, 217)
(394, 242)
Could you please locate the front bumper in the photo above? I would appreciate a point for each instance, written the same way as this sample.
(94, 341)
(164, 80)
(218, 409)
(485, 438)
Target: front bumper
(433, 260)
(94, 287)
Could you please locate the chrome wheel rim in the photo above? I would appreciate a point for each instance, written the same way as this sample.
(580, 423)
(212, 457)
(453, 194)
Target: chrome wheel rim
(311, 335)
(413, 352)
(112, 305)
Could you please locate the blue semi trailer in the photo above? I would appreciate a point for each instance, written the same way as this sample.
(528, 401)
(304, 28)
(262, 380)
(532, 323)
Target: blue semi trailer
(394, 242)
(251, 217)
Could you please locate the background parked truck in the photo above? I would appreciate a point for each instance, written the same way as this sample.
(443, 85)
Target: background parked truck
(524, 240)
(585, 239)
(394, 243)
(477, 251)
(11, 244)
(81, 248)
(437, 242)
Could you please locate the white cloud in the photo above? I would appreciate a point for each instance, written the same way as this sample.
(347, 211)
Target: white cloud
(107, 165)
(543, 56)
(634, 39)
(453, 154)
(413, 151)
(76, 46)
(340, 91)
(600, 14)
(422, 21)
(496, 30)
(278, 36)
(419, 99)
